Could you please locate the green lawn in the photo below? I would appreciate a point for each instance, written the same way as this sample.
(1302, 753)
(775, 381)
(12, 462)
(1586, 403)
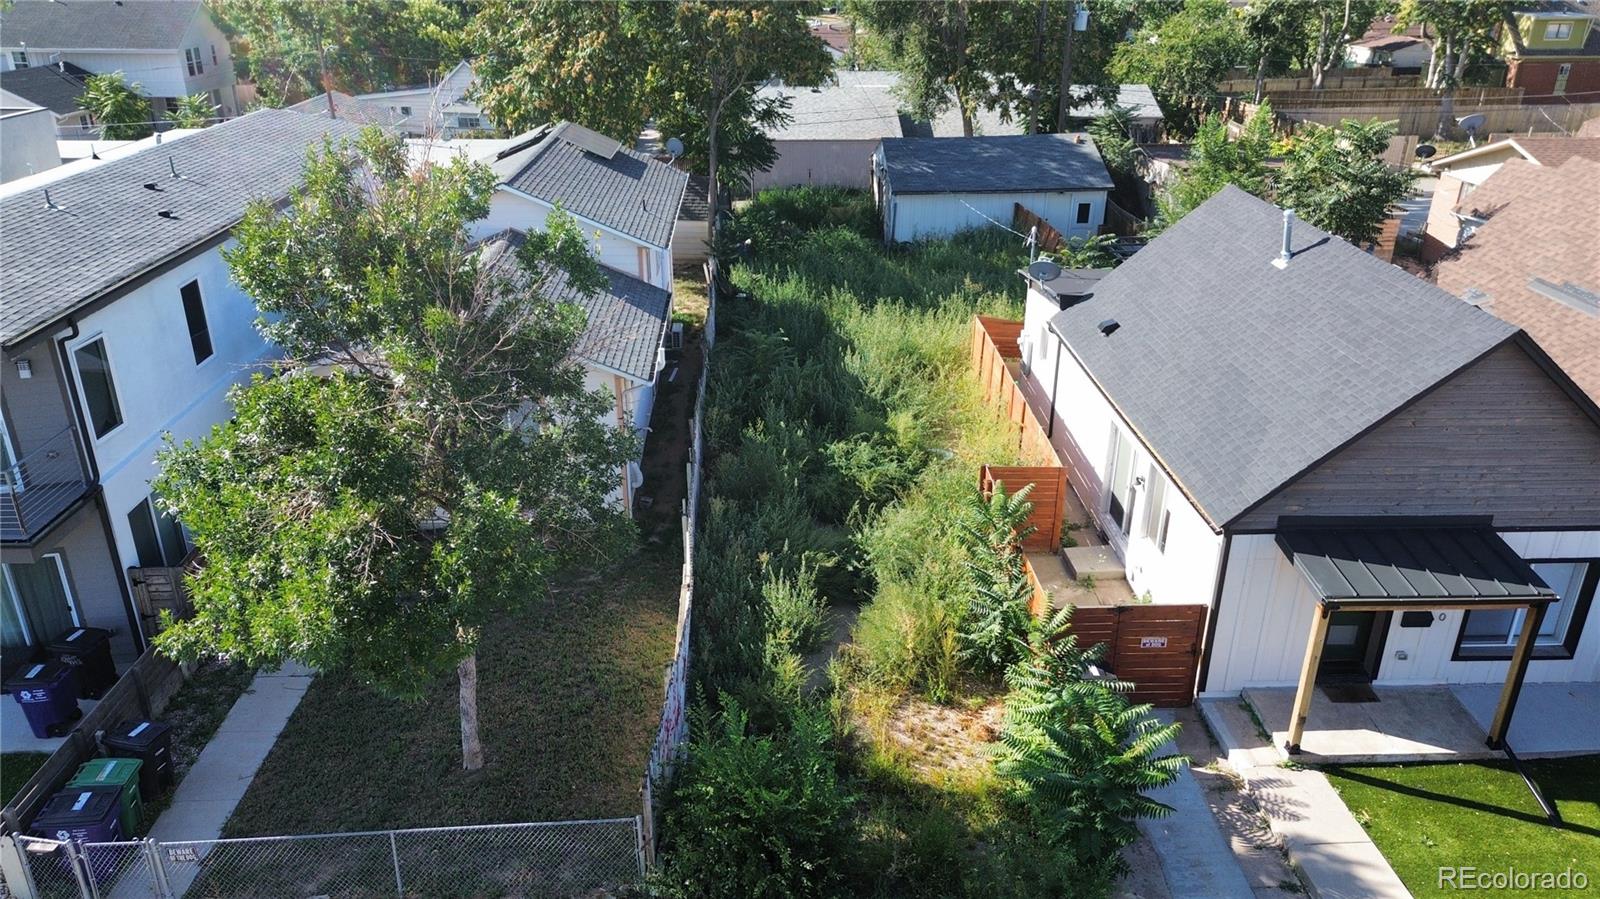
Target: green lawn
(15, 769)
(1480, 814)
(569, 694)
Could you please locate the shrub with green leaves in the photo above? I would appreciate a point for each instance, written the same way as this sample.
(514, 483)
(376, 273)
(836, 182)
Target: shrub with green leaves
(997, 617)
(797, 615)
(754, 814)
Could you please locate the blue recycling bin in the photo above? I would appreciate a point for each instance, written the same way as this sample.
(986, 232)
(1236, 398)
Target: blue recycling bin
(85, 814)
(48, 694)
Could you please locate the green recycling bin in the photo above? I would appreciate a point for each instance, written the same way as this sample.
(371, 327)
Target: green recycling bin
(123, 773)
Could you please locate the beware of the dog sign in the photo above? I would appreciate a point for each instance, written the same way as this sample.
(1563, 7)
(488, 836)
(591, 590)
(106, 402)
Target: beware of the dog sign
(1152, 642)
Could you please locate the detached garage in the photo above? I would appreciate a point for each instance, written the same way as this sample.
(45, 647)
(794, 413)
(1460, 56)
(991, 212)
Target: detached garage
(935, 187)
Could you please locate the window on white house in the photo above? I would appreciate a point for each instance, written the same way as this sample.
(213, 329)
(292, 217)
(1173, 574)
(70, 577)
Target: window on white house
(99, 388)
(1157, 517)
(158, 539)
(194, 313)
(1124, 489)
(1558, 31)
(1493, 633)
(1083, 213)
(469, 121)
(214, 55)
(193, 61)
(19, 58)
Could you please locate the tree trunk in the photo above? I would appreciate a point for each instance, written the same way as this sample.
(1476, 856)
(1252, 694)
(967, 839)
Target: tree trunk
(1261, 75)
(471, 745)
(1039, 22)
(713, 195)
(1447, 96)
(1065, 108)
(1322, 49)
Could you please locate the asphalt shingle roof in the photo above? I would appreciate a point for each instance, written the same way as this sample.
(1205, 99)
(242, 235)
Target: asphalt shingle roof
(1542, 222)
(107, 228)
(350, 109)
(56, 89)
(97, 24)
(1029, 162)
(626, 320)
(1239, 375)
(862, 106)
(630, 193)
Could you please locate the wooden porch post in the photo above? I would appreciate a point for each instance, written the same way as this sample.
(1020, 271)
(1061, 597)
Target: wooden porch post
(1519, 670)
(1308, 678)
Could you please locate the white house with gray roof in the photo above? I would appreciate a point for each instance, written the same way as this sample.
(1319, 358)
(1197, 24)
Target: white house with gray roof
(170, 48)
(934, 187)
(1323, 450)
(628, 203)
(120, 326)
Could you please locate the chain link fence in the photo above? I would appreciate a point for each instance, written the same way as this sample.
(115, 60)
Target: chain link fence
(562, 858)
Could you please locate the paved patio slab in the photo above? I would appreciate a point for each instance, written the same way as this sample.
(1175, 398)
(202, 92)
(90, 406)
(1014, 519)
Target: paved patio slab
(1194, 856)
(1550, 719)
(1407, 724)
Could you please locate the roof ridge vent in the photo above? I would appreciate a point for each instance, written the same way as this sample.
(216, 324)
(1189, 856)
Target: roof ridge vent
(1567, 294)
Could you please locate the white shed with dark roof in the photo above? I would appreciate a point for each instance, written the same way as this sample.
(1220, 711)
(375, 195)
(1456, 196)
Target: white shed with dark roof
(937, 186)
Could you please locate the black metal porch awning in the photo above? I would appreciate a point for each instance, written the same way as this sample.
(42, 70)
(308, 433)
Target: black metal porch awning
(1383, 566)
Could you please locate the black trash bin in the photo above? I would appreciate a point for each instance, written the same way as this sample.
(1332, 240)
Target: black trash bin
(151, 742)
(88, 651)
(85, 814)
(48, 694)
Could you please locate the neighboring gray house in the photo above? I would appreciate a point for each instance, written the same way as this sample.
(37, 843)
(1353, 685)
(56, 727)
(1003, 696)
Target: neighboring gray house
(440, 110)
(1326, 452)
(27, 140)
(935, 186)
(57, 88)
(1146, 122)
(349, 109)
(120, 325)
(170, 48)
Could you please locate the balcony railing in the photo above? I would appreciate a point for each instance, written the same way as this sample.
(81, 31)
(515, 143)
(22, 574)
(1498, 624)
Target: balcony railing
(37, 488)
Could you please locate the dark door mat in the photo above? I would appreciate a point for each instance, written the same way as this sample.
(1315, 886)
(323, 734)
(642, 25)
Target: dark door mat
(1349, 693)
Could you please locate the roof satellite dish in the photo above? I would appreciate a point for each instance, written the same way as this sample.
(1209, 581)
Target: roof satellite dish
(1426, 151)
(1471, 124)
(674, 147)
(1044, 270)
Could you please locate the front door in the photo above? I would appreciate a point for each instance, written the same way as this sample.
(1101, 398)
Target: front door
(1352, 648)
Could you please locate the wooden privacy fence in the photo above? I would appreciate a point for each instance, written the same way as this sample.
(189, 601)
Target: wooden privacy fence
(996, 361)
(1157, 647)
(143, 691)
(1024, 220)
(1049, 499)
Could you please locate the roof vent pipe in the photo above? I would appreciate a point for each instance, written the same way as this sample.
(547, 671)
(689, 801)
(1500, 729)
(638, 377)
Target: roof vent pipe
(1284, 255)
(1108, 326)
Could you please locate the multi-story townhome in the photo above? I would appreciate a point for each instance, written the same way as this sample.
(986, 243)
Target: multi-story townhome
(1554, 56)
(170, 48)
(121, 327)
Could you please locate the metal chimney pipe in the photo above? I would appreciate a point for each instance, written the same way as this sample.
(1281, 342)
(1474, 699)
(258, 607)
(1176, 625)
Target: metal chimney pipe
(1285, 255)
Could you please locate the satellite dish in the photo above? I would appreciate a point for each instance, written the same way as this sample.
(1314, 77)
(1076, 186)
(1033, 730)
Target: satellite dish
(1426, 151)
(1471, 122)
(675, 147)
(1044, 270)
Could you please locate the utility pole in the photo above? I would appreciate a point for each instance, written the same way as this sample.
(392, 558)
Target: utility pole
(1065, 108)
(322, 67)
(1038, 67)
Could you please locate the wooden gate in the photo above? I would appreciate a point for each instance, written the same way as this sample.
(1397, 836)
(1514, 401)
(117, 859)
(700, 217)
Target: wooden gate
(1156, 647)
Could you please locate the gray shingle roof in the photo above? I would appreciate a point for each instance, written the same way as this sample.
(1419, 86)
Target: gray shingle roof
(97, 24)
(56, 89)
(861, 106)
(1138, 98)
(107, 228)
(1240, 375)
(350, 109)
(630, 193)
(626, 320)
(1028, 162)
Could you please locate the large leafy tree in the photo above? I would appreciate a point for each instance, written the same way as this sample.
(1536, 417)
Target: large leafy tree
(940, 49)
(1184, 55)
(1336, 178)
(117, 106)
(554, 59)
(426, 455)
(193, 111)
(1330, 26)
(1458, 33)
(364, 45)
(1215, 161)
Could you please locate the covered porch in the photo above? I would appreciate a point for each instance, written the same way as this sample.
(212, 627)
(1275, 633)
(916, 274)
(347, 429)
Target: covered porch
(1364, 574)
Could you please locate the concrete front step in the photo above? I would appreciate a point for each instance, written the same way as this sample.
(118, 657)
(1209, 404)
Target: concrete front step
(1098, 562)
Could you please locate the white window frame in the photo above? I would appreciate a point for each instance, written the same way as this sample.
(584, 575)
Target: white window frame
(194, 62)
(83, 396)
(1557, 624)
(19, 59)
(66, 591)
(1157, 516)
(16, 464)
(1557, 31)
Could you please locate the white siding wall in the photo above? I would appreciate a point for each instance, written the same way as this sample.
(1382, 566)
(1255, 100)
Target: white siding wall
(159, 387)
(27, 142)
(918, 216)
(1266, 616)
(647, 263)
(1186, 571)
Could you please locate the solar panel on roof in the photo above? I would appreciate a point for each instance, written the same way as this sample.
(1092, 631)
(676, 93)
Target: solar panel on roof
(590, 141)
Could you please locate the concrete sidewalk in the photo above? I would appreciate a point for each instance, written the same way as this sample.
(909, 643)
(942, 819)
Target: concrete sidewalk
(1196, 861)
(1332, 851)
(219, 778)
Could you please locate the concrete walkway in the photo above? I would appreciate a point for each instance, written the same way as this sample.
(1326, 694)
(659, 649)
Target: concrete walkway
(1324, 841)
(219, 778)
(1195, 859)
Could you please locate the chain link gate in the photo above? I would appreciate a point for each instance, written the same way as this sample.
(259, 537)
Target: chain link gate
(559, 858)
